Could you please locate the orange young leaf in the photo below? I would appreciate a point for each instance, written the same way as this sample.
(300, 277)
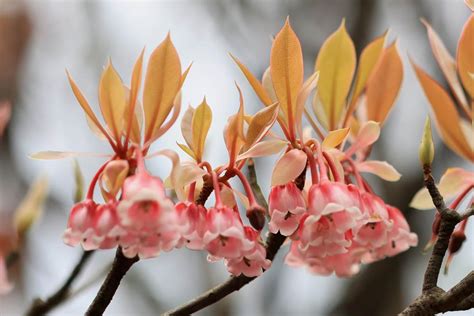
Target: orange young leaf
(133, 129)
(447, 117)
(464, 58)
(384, 84)
(234, 131)
(368, 59)
(256, 85)
(264, 148)
(336, 64)
(335, 137)
(200, 126)
(85, 106)
(286, 69)
(446, 63)
(260, 124)
(162, 82)
(112, 100)
(186, 126)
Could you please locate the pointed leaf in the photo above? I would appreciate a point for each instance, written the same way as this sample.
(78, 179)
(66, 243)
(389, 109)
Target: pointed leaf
(451, 184)
(447, 117)
(186, 126)
(200, 125)
(256, 85)
(446, 63)
(187, 150)
(335, 137)
(308, 86)
(380, 168)
(233, 133)
(268, 85)
(133, 125)
(368, 134)
(31, 207)
(53, 155)
(464, 58)
(261, 123)
(286, 69)
(264, 148)
(162, 82)
(112, 99)
(336, 64)
(368, 60)
(384, 84)
(289, 167)
(84, 104)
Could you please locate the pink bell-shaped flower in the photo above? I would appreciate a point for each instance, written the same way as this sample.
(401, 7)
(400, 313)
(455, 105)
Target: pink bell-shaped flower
(225, 237)
(286, 207)
(253, 262)
(80, 223)
(192, 223)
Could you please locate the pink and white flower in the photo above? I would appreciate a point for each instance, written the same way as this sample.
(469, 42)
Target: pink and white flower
(148, 216)
(225, 236)
(253, 262)
(286, 207)
(80, 222)
(193, 225)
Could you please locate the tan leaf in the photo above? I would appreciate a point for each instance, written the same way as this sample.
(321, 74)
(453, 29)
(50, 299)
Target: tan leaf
(53, 155)
(261, 123)
(464, 58)
(112, 99)
(186, 126)
(264, 148)
(384, 84)
(200, 126)
(447, 117)
(368, 59)
(336, 64)
(162, 83)
(31, 207)
(286, 69)
(335, 137)
(256, 85)
(84, 104)
(446, 63)
(381, 169)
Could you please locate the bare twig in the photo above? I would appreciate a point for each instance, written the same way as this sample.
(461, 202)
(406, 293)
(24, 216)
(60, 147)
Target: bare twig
(120, 266)
(434, 299)
(41, 307)
(234, 283)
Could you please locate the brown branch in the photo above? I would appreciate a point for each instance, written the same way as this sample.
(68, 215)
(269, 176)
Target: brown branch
(234, 283)
(41, 307)
(120, 266)
(257, 191)
(433, 299)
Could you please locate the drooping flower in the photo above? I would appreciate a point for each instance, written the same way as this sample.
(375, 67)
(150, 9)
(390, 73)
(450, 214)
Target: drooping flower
(80, 221)
(225, 236)
(193, 224)
(286, 206)
(147, 214)
(253, 262)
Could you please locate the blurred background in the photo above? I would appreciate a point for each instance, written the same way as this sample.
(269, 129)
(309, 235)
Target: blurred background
(39, 39)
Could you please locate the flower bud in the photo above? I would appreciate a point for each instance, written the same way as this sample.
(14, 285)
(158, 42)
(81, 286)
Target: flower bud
(455, 242)
(426, 151)
(256, 216)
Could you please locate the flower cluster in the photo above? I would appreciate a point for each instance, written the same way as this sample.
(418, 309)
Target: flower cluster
(334, 221)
